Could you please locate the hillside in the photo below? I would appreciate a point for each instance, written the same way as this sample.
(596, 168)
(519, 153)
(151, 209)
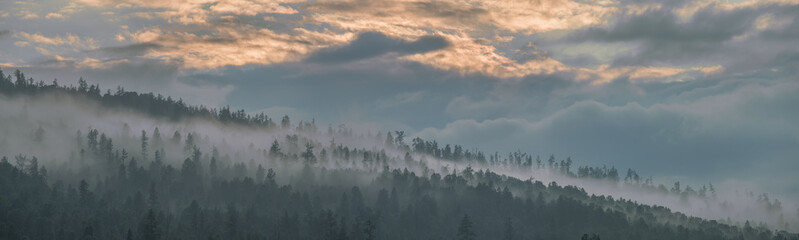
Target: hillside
(84, 165)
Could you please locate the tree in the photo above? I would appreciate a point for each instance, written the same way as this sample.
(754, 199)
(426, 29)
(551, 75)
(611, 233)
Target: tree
(232, 221)
(568, 165)
(20, 82)
(189, 144)
(400, 138)
(82, 85)
(85, 194)
(382, 200)
(260, 174)
(509, 232)
(33, 167)
(21, 161)
(176, 137)
(465, 231)
(153, 196)
(457, 153)
(369, 230)
(286, 122)
(38, 135)
(270, 177)
(613, 174)
(148, 228)
(591, 237)
(88, 233)
(393, 201)
(157, 141)
(92, 139)
(357, 200)
(389, 140)
(274, 150)
(308, 155)
(144, 144)
(676, 188)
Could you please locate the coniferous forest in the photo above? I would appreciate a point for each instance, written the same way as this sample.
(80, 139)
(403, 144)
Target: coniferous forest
(81, 163)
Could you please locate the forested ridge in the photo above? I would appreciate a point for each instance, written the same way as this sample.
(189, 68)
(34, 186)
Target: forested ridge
(305, 184)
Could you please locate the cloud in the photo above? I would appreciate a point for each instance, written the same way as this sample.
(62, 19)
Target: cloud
(10, 65)
(137, 49)
(142, 75)
(463, 24)
(695, 32)
(468, 38)
(27, 14)
(372, 44)
(400, 99)
(64, 12)
(468, 56)
(251, 7)
(663, 26)
(69, 39)
(234, 46)
(55, 16)
(716, 136)
(87, 62)
(198, 11)
(4, 33)
(513, 16)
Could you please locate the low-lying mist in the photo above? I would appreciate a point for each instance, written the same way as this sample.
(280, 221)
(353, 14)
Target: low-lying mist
(55, 128)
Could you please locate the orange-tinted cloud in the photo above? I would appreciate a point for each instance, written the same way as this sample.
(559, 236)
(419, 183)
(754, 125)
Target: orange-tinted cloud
(208, 34)
(231, 46)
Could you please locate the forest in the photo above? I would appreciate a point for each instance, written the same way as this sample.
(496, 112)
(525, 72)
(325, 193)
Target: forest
(127, 165)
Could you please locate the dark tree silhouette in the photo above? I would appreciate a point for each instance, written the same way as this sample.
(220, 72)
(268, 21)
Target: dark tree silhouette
(465, 231)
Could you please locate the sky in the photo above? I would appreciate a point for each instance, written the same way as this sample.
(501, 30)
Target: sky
(697, 91)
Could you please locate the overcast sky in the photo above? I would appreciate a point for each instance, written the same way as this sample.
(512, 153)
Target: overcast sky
(693, 90)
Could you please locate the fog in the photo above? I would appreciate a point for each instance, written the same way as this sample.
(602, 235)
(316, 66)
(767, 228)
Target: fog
(54, 126)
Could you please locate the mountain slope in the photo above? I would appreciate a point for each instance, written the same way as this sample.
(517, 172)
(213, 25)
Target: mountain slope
(81, 165)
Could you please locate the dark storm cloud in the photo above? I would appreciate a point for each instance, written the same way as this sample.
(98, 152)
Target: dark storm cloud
(3, 33)
(372, 44)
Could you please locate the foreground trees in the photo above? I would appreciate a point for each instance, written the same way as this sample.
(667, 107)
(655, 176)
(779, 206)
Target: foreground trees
(142, 203)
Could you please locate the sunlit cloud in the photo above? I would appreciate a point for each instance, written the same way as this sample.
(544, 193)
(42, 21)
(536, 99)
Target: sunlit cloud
(483, 36)
(197, 11)
(469, 57)
(55, 16)
(68, 39)
(232, 46)
(26, 14)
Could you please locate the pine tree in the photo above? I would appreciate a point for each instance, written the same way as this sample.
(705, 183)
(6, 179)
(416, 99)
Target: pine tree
(148, 228)
(465, 231)
(369, 230)
(144, 145)
(509, 232)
